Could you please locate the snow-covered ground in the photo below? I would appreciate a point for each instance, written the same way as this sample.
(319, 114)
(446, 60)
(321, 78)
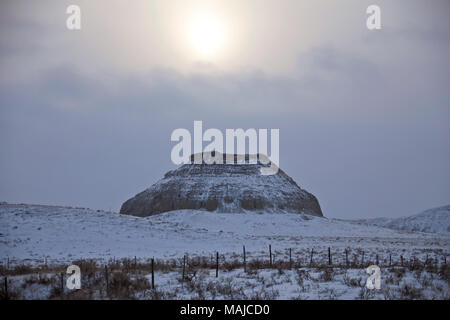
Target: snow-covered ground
(436, 220)
(270, 283)
(33, 233)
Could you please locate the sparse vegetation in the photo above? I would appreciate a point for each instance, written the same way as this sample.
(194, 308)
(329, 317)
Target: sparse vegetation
(130, 278)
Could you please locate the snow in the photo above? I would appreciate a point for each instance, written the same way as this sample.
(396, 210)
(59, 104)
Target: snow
(33, 233)
(225, 189)
(435, 220)
(297, 283)
(36, 234)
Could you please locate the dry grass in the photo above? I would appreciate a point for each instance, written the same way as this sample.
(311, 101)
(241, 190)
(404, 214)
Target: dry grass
(128, 277)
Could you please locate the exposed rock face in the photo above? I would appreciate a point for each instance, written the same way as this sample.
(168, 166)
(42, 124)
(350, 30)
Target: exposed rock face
(223, 188)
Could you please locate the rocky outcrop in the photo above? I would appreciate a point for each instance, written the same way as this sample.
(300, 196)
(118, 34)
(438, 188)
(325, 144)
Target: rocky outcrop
(223, 188)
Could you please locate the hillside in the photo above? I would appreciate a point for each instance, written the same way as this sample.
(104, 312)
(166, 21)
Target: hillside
(436, 220)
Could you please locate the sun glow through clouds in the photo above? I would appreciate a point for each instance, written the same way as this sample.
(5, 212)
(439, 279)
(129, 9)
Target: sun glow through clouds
(206, 34)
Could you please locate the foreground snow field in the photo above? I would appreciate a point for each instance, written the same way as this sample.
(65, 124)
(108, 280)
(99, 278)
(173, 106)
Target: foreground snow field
(300, 283)
(38, 242)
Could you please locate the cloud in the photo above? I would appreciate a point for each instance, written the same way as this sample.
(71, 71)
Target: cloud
(364, 127)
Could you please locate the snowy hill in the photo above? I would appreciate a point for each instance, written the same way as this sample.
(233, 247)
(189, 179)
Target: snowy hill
(436, 220)
(31, 233)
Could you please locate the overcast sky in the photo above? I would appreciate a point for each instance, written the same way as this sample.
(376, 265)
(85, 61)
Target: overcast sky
(86, 116)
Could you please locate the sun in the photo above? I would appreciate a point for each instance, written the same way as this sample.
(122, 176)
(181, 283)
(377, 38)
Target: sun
(206, 34)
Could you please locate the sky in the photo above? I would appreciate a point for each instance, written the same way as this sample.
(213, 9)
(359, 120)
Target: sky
(86, 115)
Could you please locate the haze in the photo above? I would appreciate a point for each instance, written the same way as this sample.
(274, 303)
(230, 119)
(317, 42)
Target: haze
(86, 116)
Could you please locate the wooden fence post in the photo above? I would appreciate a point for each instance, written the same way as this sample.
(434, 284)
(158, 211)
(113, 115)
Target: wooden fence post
(377, 261)
(217, 264)
(311, 258)
(245, 260)
(62, 283)
(106, 279)
(401, 260)
(153, 273)
(329, 256)
(346, 257)
(290, 258)
(6, 288)
(184, 266)
(390, 259)
(270, 255)
(362, 262)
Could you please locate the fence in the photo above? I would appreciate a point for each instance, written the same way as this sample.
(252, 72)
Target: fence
(284, 259)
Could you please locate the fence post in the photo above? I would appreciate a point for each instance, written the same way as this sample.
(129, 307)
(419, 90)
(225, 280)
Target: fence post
(270, 255)
(290, 258)
(217, 264)
(153, 273)
(184, 265)
(377, 262)
(390, 259)
(401, 261)
(362, 262)
(6, 288)
(245, 260)
(346, 257)
(311, 258)
(62, 284)
(106, 279)
(329, 256)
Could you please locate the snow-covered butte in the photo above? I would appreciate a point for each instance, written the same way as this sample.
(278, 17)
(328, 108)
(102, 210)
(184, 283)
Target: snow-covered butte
(224, 188)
